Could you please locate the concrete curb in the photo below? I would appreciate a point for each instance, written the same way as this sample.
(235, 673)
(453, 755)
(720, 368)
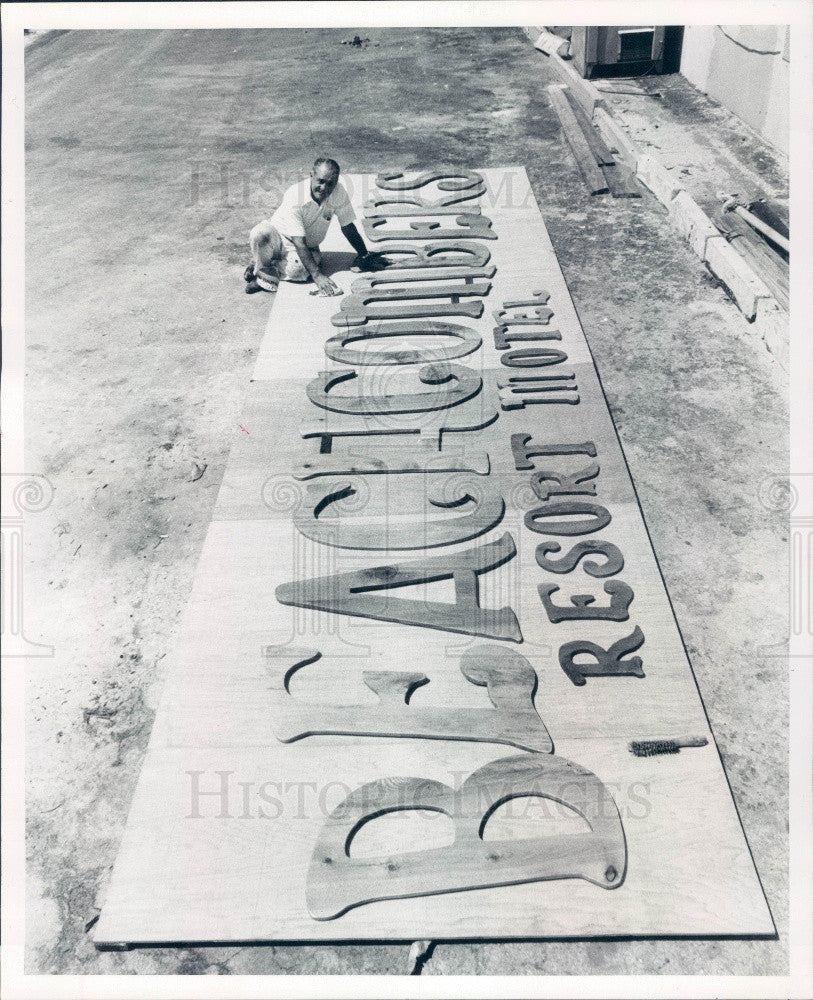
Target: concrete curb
(587, 95)
(743, 284)
(692, 222)
(746, 288)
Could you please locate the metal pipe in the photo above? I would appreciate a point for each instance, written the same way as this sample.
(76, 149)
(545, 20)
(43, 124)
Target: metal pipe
(763, 227)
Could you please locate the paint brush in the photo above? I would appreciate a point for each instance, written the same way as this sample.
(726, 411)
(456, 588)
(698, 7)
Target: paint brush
(651, 748)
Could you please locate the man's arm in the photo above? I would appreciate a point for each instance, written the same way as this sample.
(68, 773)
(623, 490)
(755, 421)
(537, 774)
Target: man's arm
(322, 282)
(353, 237)
(366, 261)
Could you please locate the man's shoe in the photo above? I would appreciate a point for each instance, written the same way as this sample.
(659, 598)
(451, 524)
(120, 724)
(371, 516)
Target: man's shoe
(248, 274)
(266, 280)
(252, 287)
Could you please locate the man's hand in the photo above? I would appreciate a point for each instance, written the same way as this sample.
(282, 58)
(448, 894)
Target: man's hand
(370, 262)
(324, 286)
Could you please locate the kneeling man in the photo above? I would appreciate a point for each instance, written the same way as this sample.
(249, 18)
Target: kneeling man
(286, 246)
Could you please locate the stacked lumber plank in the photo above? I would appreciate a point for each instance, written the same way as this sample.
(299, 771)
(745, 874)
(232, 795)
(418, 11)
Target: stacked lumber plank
(599, 166)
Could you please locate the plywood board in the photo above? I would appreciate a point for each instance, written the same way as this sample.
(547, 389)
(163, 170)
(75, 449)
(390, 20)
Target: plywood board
(226, 817)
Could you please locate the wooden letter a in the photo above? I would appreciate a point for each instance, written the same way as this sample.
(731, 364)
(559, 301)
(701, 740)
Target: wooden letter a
(368, 593)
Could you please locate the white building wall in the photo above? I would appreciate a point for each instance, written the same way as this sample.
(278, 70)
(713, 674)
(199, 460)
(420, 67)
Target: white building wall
(746, 68)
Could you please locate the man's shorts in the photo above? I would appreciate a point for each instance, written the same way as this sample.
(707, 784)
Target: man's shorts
(278, 256)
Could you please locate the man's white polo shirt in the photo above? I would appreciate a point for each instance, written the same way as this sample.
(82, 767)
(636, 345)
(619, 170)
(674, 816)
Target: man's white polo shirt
(299, 215)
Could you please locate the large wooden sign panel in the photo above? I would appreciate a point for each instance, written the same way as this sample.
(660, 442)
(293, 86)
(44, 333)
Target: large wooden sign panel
(426, 626)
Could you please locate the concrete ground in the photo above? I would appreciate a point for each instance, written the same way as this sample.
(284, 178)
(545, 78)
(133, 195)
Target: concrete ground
(712, 154)
(149, 156)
